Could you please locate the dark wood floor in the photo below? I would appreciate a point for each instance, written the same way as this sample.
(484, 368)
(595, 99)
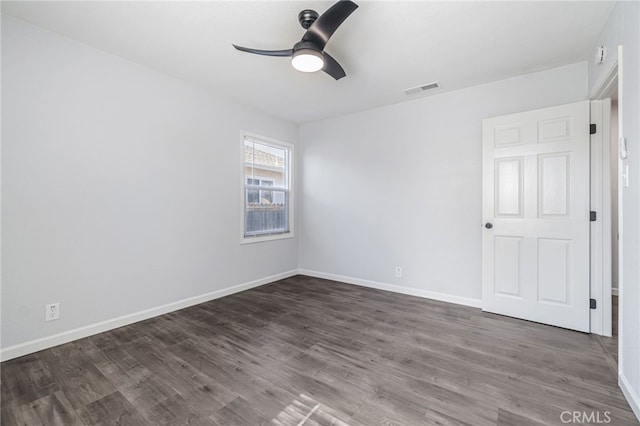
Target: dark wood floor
(305, 351)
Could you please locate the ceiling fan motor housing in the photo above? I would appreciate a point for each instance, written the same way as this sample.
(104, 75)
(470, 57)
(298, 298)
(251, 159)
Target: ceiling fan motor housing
(306, 45)
(307, 17)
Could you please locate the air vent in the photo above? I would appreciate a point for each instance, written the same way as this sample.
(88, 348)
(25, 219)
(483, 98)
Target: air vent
(422, 88)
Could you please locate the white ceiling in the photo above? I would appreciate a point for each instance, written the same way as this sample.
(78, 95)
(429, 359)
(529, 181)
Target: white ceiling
(384, 46)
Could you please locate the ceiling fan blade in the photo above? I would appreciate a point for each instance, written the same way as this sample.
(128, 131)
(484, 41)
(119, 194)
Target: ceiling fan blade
(332, 67)
(323, 28)
(287, 52)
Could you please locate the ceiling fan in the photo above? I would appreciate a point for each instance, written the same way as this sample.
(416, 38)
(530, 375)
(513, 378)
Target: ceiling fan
(308, 54)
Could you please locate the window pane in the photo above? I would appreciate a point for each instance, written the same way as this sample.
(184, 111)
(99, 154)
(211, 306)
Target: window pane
(253, 196)
(269, 157)
(269, 215)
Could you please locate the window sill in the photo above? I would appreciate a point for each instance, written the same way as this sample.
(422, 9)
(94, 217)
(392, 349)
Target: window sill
(251, 240)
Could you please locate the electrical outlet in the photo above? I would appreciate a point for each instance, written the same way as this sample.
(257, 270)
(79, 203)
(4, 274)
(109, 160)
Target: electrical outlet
(398, 272)
(52, 312)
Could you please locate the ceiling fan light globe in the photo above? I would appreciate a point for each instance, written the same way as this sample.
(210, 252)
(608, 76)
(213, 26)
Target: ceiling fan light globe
(307, 60)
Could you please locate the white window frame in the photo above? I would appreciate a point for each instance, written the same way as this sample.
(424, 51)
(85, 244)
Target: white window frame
(290, 179)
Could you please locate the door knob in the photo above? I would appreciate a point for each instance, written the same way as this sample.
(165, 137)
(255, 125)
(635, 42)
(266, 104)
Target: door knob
(488, 225)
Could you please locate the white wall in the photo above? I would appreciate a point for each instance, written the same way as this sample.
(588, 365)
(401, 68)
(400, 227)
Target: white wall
(622, 28)
(119, 194)
(402, 185)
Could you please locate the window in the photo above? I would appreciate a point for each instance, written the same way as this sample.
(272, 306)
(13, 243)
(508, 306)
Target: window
(266, 206)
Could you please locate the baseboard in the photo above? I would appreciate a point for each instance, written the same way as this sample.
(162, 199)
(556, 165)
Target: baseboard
(614, 291)
(443, 297)
(89, 330)
(632, 397)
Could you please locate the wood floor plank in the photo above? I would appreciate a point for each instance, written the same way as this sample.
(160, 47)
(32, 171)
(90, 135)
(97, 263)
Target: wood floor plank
(306, 351)
(113, 409)
(507, 418)
(28, 380)
(237, 412)
(55, 409)
(23, 415)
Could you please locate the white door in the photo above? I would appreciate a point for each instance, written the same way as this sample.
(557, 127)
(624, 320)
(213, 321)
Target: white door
(536, 216)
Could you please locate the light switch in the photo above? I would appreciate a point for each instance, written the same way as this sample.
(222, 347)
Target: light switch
(625, 177)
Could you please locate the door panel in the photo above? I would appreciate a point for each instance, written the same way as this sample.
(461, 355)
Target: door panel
(507, 136)
(553, 188)
(554, 130)
(553, 270)
(507, 272)
(536, 196)
(509, 187)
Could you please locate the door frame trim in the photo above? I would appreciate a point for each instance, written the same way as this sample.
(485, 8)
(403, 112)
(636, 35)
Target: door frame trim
(600, 232)
(601, 321)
